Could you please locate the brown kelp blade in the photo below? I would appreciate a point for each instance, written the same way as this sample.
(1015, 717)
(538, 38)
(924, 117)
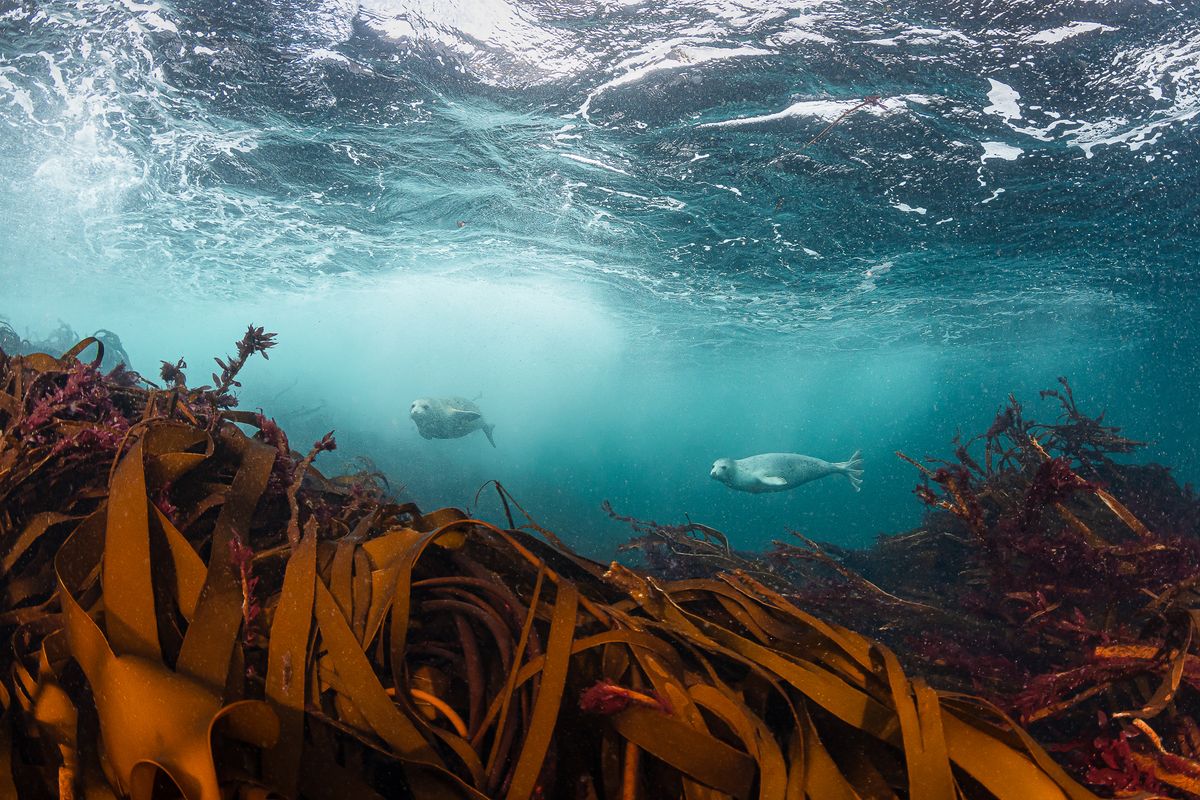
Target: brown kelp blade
(232, 621)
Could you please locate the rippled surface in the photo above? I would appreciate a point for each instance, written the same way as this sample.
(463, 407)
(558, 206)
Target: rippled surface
(1025, 160)
(653, 234)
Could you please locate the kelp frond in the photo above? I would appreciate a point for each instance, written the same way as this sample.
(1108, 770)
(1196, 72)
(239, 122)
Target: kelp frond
(196, 611)
(1047, 576)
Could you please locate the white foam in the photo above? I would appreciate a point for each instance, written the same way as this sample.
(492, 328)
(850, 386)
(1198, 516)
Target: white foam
(1091, 135)
(1004, 100)
(791, 37)
(506, 44)
(822, 109)
(671, 54)
(155, 21)
(800, 29)
(666, 201)
(593, 162)
(907, 209)
(1054, 35)
(920, 37)
(1000, 150)
(325, 54)
(19, 96)
(873, 272)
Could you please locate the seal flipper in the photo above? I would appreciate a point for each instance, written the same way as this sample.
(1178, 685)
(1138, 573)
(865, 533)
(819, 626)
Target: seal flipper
(772, 480)
(487, 431)
(852, 469)
(469, 416)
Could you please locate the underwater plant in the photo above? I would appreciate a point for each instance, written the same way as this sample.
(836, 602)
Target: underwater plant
(62, 338)
(180, 626)
(1031, 584)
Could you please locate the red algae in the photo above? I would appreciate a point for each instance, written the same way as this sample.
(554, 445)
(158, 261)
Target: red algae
(196, 610)
(1047, 577)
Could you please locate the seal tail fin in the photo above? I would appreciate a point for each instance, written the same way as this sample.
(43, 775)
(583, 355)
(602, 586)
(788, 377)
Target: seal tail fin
(852, 469)
(487, 431)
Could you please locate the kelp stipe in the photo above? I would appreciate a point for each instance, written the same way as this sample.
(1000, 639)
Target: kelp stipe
(196, 611)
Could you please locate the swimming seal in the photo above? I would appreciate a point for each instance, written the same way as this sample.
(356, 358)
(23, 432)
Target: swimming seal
(448, 418)
(778, 472)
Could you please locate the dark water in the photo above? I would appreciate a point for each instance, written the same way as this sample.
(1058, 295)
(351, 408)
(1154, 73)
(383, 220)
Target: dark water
(628, 225)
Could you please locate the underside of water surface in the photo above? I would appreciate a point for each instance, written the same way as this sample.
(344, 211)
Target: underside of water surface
(463, 512)
(648, 236)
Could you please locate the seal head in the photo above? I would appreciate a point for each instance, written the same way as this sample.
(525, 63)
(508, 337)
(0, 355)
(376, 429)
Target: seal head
(724, 470)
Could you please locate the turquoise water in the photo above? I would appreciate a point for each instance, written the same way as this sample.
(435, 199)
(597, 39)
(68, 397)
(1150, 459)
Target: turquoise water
(629, 227)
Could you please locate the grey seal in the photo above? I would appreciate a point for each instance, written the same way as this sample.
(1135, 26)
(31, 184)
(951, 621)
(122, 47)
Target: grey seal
(448, 418)
(778, 472)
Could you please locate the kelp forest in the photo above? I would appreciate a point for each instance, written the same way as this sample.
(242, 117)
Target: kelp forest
(192, 608)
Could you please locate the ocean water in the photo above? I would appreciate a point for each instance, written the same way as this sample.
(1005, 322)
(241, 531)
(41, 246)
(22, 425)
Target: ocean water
(647, 235)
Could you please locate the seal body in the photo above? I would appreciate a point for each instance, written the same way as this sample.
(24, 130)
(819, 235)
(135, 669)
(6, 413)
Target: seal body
(778, 472)
(448, 418)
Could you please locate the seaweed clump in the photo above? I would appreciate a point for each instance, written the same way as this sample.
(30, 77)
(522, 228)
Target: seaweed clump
(1075, 610)
(61, 339)
(1029, 583)
(194, 610)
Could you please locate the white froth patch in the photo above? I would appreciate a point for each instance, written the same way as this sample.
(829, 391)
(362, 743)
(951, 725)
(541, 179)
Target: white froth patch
(506, 43)
(873, 272)
(1091, 135)
(90, 169)
(15, 94)
(1000, 150)
(324, 54)
(593, 162)
(920, 37)
(1054, 35)
(792, 37)
(800, 28)
(155, 21)
(822, 109)
(665, 56)
(907, 209)
(1004, 100)
(665, 201)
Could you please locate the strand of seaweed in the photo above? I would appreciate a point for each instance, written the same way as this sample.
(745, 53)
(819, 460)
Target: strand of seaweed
(1031, 584)
(194, 610)
(61, 339)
